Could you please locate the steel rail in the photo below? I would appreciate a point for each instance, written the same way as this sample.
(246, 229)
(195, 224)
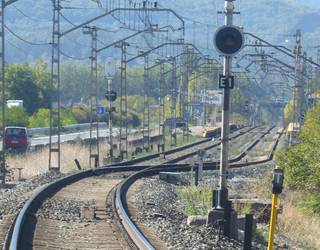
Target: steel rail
(143, 242)
(13, 241)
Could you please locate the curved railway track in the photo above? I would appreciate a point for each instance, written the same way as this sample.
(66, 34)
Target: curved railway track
(97, 187)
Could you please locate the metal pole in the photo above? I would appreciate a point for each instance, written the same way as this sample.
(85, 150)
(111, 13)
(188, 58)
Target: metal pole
(92, 31)
(123, 103)
(146, 107)
(3, 101)
(297, 86)
(223, 190)
(55, 84)
(173, 130)
(110, 121)
(162, 109)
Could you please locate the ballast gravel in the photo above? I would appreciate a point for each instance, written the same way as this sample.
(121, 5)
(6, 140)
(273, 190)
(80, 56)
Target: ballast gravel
(162, 211)
(12, 199)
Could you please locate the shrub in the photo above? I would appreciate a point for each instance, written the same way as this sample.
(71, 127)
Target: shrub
(81, 114)
(15, 116)
(302, 161)
(42, 118)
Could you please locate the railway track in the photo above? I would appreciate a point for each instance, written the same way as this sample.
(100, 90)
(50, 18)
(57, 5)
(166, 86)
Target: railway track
(93, 190)
(96, 226)
(187, 150)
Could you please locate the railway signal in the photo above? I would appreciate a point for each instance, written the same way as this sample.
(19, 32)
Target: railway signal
(111, 96)
(229, 40)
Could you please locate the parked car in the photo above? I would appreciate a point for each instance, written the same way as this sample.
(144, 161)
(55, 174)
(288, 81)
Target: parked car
(16, 138)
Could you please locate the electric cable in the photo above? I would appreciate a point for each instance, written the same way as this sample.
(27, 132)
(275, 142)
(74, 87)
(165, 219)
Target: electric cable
(24, 40)
(29, 17)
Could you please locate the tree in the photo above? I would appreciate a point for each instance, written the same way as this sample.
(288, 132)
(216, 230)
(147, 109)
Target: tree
(75, 82)
(288, 112)
(15, 116)
(43, 81)
(22, 86)
(42, 118)
(302, 161)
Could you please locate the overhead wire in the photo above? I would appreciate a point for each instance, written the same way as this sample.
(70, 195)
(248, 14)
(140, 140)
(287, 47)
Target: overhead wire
(74, 57)
(23, 39)
(29, 17)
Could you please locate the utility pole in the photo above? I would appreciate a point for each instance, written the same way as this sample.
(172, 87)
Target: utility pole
(297, 87)
(146, 106)
(94, 125)
(123, 102)
(55, 83)
(173, 127)
(161, 109)
(3, 94)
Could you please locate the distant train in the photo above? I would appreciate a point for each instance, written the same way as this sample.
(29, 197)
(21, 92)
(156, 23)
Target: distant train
(215, 132)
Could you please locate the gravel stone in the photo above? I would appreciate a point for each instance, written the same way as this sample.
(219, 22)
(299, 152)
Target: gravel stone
(172, 225)
(63, 210)
(12, 200)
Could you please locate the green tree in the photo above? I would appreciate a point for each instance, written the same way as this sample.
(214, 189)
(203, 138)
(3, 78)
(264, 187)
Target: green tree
(302, 161)
(15, 116)
(22, 86)
(288, 112)
(42, 118)
(43, 81)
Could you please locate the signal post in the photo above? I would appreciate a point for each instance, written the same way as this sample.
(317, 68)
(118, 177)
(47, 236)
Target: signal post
(111, 96)
(228, 42)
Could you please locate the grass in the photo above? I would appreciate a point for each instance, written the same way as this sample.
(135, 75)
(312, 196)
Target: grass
(36, 162)
(296, 223)
(242, 209)
(198, 199)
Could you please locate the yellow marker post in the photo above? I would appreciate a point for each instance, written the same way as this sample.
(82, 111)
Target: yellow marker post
(273, 221)
(277, 186)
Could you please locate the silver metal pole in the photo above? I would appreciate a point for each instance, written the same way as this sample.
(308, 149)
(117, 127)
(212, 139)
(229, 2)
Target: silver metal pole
(224, 164)
(55, 83)
(297, 86)
(110, 121)
(3, 101)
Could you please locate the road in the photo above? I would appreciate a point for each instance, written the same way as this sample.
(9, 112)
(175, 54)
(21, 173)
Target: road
(44, 140)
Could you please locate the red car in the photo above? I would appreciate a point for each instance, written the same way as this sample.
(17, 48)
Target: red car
(16, 138)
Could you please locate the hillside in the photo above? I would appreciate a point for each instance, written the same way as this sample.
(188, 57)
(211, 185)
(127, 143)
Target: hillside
(270, 19)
